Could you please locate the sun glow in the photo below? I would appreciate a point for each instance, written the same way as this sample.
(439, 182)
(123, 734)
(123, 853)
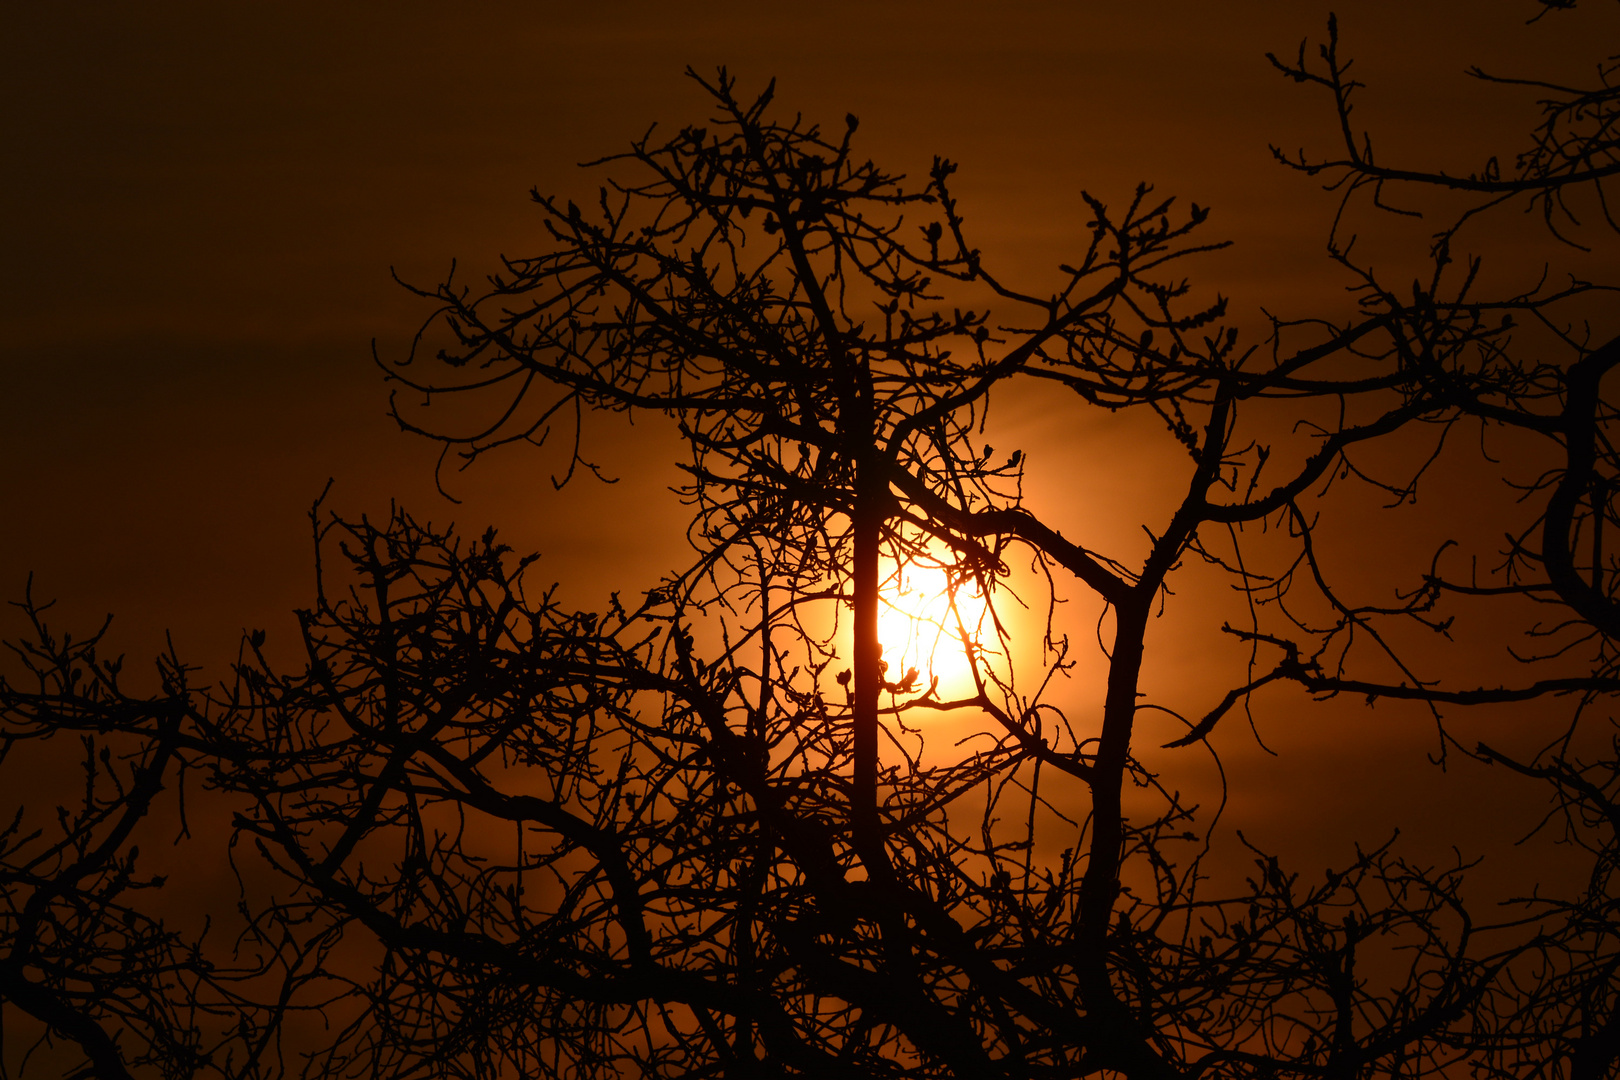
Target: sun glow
(921, 622)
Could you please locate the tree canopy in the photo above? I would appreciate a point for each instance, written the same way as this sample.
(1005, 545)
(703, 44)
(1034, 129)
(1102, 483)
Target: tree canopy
(707, 831)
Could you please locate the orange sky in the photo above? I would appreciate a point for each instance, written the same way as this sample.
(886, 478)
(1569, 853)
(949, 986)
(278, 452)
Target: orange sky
(203, 204)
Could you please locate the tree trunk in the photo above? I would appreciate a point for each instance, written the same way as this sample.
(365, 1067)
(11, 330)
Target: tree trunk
(868, 658)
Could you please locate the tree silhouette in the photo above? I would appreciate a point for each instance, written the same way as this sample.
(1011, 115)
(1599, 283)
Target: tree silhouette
(814, 329)
(92, 958)
(1559, 1014)
(706, 832)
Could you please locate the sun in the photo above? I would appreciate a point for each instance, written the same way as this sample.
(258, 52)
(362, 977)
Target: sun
(921, 618)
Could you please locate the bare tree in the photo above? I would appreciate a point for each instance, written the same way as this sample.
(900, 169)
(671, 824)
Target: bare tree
(565, 847)
(827, 341)
(704, 832)
(99, 976)
(1557, 1013)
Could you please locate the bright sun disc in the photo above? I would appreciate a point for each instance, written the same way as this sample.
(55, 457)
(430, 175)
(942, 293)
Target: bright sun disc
(920, 625)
